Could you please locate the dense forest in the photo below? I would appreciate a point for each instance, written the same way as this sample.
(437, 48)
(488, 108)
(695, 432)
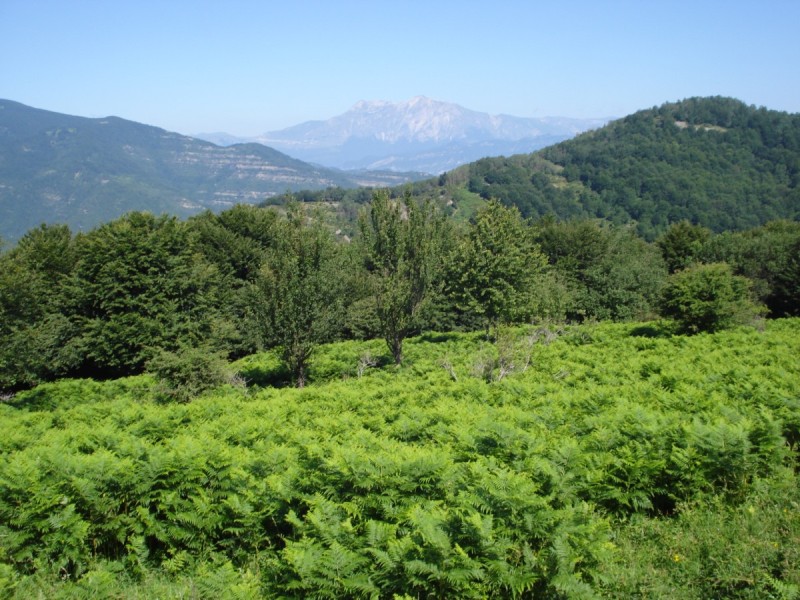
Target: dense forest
(459, 395)
(715, 162)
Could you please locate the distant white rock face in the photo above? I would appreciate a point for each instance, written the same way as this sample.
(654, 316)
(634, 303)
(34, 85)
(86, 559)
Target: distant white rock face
(419, 134)
(417, 120)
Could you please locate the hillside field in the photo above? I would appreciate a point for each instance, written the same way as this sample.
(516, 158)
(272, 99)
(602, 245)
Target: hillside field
(600, 460)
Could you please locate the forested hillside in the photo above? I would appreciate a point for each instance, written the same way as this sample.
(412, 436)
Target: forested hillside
(715, 162)
(57, 168)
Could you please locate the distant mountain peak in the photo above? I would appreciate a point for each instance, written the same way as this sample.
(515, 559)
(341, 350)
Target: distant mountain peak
(419, 133)
(416, 101)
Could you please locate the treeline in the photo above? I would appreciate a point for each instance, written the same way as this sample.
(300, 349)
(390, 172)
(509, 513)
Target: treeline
(143, 292)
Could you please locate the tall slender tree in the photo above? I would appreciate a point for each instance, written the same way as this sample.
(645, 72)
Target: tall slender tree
(299, 290)
(401, 248)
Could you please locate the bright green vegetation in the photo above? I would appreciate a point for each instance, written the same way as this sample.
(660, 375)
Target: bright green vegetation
(601, 460)
(152, 445)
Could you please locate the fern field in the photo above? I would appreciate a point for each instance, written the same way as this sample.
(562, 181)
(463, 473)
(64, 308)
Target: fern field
(608, 460)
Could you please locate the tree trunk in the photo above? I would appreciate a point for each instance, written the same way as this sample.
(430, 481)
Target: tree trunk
(396, 346)
(300, 371)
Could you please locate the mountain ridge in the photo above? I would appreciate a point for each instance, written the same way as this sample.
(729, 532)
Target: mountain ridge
(712, 161)
(419, 134)
(83, 171)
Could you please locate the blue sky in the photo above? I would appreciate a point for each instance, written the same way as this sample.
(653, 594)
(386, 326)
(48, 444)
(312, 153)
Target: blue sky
(246, 67)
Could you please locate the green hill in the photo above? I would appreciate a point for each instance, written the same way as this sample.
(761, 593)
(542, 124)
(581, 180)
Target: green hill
(713, 161)
(57, 168)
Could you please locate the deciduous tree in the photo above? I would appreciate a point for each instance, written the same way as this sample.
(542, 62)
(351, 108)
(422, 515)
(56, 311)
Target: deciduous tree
(707, 298)
(496, 266)
(299, 292)
(682, 244)
(401, 244)
(140, 285)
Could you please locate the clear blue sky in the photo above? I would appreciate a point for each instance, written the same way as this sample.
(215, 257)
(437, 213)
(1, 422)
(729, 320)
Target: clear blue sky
(247, 66)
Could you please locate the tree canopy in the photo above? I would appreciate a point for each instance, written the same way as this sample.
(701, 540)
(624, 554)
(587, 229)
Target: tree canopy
(495, 267)
(107, 302)
(401, 244)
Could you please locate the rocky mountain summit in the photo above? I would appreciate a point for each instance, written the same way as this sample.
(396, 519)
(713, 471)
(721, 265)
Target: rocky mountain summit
(419, 134)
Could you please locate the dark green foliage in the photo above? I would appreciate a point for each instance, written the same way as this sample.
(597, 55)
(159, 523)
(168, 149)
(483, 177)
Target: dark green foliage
(784, 299)
(34, 333)
(188, 372)
(48, 250)
(609, 272)
(715, 162)
(141, 285)
(236, 240)
(707, 298)
(402, 245)
(495, 269)
(299, 294)
(768, 257)
(104, 302)
(533, 184)
(682, 244)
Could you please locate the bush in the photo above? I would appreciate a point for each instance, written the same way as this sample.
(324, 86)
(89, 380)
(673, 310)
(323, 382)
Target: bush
(707, 298)
(187, 373)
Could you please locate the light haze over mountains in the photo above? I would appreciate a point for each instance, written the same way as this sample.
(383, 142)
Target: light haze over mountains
(58, 168)
(419, 134)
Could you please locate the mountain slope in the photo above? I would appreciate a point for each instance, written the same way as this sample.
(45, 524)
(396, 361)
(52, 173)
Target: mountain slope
(418, 135)
(80, 171)
(713, 161)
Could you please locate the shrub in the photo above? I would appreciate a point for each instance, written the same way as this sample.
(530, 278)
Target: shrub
(187, 373)
(707, 298)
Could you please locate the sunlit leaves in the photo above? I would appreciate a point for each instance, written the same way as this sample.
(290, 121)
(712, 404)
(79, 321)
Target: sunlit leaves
(403, 481)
